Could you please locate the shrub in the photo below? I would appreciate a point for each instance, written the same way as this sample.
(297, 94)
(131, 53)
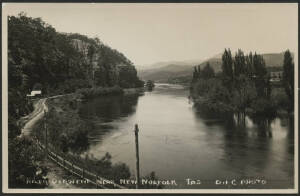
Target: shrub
(263, 107)
(281, 100)
(99, 91)
(23, 163)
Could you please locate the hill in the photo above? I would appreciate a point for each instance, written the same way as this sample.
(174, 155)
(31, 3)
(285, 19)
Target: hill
(167, 71)
(166, 63)
(37, 53)
(182, 73)
(41, 58)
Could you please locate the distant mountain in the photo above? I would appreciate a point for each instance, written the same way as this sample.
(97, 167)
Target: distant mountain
(167, 63)
(177, 72)
(168, 71)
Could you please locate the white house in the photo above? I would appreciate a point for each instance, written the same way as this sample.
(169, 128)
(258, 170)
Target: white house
(276, 76)
(35, 93)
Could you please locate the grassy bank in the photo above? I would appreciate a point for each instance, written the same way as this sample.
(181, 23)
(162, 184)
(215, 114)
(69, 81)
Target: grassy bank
(89, 93)
(68, 134)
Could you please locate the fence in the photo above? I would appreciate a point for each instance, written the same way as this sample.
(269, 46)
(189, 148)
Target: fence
(69, 166)
(98, 181)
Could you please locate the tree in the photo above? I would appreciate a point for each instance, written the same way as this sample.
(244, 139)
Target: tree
(227, 70)
(90, 54)
(42, 59)
(261, 77)
(259, 66)
(288, 76)
(195, 74)
(227, 64)
(39, 54)
(100, 76)
(208, 71)
(239, 63)
(150, 85)
(249, 65)
(243, 95)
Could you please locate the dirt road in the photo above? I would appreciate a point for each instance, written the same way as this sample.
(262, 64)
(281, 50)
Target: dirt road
(55, 173)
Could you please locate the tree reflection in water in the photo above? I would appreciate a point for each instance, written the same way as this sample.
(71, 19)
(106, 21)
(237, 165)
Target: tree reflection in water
(102, 111)
(108, 108)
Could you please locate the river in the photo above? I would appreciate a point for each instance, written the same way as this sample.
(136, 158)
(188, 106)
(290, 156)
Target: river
(179, 143)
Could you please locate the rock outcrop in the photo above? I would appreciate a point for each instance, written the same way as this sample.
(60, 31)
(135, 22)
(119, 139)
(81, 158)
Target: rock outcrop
(105, 66)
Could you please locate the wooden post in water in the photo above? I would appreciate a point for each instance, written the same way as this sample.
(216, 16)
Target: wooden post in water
(46, 135)
(136, 131)
(96, 181)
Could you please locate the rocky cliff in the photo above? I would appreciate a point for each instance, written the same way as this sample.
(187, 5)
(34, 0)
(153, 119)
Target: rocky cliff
(105, 66)
(58, 63)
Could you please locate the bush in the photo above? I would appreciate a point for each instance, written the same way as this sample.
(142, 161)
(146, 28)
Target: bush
(139, 84)
(120, 171)
(73, 104)
(99, 91)
(201, 87)
(78, 140)
(24, 163)
(281, 100)
(263, 107)
(13, 129)
(37, 86)
(212, 95)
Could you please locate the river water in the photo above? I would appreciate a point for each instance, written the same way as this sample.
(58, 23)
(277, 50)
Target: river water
(179, 143)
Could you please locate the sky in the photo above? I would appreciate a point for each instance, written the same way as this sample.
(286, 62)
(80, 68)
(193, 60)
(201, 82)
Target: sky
(150, 33)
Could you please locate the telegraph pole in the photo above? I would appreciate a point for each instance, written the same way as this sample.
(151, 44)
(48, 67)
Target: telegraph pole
(46, 135)
(136, 131)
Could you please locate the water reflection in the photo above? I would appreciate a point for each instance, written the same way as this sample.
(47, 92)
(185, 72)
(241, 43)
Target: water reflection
(109, 108)
(102, 111)
(178, 142)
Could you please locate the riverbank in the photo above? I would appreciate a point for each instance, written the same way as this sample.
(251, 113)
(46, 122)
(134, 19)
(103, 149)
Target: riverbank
(68, 134)
(277, 105)
(171, 131)
(133, 91)
(89, 93)
(52, 172)
(63, 112)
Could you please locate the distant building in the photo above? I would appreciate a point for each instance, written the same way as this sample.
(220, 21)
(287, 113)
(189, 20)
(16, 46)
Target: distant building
(35, 93)
(276, 76)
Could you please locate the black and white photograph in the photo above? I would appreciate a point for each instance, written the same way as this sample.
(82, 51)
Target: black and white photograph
(149, 97)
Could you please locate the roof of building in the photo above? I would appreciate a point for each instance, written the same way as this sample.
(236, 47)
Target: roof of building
(34, 92)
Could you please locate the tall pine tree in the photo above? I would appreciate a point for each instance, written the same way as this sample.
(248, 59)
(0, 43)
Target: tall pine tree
(227, 70)
(288, 76)
(239, 63)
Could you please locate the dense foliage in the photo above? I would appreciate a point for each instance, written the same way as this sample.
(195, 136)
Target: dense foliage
(40, 58)
(150, 85)
(99, 91)
(24, 164)
(39, 54)
(288, 77)
(242, 86)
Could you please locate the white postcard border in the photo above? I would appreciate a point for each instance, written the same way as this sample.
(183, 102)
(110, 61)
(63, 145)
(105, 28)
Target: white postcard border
(5, 188)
